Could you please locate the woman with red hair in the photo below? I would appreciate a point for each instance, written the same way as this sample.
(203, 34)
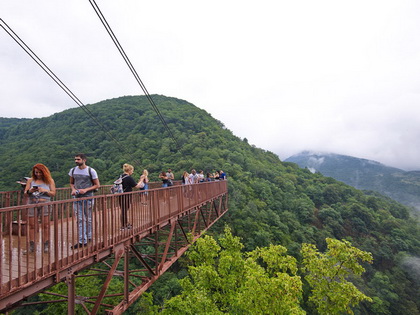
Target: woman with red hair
(40, 188)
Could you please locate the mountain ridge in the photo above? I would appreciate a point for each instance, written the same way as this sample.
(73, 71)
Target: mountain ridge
(364, 174)
(270, 201)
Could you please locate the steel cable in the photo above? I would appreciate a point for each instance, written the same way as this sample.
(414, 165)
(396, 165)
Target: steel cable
(55, 78)
(131, 67)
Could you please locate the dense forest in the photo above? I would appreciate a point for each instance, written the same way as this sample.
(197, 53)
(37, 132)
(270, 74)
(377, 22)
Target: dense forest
(270, 201)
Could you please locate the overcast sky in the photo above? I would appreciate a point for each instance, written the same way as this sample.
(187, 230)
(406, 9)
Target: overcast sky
(336, 76)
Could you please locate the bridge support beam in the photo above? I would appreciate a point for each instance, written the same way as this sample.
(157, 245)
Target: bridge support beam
(71, 289)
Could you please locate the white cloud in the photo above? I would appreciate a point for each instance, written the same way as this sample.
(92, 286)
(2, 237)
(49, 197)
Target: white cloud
(287, 75)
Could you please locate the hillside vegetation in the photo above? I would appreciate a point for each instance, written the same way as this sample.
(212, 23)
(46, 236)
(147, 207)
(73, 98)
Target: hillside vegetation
(270, 202)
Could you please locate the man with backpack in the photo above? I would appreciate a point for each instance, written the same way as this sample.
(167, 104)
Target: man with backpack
(83, 182)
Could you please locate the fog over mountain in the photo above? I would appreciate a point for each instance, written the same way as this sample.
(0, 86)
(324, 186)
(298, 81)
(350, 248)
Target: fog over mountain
(400, 185)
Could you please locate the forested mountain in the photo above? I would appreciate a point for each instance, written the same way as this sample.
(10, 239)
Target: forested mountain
(403, 186)
(270, 202)
(6, 123)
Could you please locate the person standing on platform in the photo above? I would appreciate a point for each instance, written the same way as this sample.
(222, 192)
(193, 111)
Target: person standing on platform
(164, 179)
(128, 183)
(193, 177)
(144, 178)
(83, 182)
(201, 176)
(170, 177)
(185, 178)
(40, 188)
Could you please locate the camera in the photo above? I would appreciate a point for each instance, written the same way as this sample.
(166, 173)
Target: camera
(35, 187)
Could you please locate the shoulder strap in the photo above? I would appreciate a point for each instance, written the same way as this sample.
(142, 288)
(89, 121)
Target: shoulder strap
(90, 173)
(72, 171)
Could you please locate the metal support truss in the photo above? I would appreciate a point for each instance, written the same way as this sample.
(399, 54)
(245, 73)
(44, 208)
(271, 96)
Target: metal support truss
(140, 261)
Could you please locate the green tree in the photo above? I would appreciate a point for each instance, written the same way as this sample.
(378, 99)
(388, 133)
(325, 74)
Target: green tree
(224, 280)
(327, 273)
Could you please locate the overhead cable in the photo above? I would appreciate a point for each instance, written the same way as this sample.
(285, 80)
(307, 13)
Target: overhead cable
(53, 76)
(131, 67)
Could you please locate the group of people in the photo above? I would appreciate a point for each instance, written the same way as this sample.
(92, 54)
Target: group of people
(191, 178)
(84, 181)
(199, 177)
(40, 188)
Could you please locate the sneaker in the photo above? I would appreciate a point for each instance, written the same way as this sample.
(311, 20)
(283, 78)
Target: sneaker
(31, 248)
(75, 246)
(46, 246)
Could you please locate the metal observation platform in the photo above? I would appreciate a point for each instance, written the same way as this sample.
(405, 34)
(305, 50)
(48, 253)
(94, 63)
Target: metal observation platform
(164, 223)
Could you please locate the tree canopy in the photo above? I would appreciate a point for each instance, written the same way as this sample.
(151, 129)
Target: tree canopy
(225, 280)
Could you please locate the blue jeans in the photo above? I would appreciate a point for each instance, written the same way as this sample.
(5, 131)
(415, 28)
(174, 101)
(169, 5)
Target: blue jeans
(83, 211)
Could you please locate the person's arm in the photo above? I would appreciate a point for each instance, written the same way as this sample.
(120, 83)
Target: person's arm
(73, 189)
(28, 189)
(140, 182)
(50, 192)
(95, 185)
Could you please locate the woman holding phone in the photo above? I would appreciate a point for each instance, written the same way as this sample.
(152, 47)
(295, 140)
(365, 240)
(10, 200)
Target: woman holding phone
(40, 188)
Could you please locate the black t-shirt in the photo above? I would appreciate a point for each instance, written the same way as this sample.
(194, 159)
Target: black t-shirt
(128, 183)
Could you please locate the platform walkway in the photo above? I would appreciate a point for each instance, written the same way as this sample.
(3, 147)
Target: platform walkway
(23, 273)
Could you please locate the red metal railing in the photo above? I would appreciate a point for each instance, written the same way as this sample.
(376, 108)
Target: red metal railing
(17, 197)
(149, 211)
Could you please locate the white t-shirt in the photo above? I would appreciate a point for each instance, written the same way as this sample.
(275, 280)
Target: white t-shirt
(82, 178)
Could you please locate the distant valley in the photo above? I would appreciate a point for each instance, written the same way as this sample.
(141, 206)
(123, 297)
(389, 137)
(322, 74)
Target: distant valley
(402, 186)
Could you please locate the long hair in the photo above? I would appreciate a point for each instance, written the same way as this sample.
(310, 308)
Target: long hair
(46, 175)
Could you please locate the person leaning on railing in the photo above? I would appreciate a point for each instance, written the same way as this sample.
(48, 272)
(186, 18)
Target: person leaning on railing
(40, 188)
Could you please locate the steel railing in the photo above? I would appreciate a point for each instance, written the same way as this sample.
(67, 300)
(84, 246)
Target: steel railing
(54, 229)
(17, 197)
